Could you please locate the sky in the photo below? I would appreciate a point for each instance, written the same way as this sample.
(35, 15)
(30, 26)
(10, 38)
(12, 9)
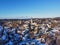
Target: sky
(29, 8)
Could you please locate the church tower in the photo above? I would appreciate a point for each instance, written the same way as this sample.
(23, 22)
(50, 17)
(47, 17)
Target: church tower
(31, 20)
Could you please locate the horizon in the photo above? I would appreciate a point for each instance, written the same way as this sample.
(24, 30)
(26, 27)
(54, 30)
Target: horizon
(32, 18)
(29, 8)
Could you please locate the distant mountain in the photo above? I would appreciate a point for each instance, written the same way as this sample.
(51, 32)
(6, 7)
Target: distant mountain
(26, 18)
(57, 18)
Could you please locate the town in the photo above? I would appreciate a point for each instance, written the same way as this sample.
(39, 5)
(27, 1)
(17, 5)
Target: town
(32, 31)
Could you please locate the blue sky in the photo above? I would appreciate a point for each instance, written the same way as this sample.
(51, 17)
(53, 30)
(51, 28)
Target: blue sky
(29, 8)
